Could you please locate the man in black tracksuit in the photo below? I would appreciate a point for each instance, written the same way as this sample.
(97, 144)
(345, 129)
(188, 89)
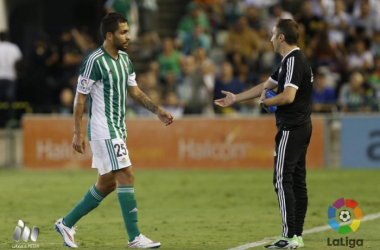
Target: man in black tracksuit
(294, 83)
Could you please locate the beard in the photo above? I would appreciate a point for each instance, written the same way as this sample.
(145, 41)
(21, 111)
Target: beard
(120, 45)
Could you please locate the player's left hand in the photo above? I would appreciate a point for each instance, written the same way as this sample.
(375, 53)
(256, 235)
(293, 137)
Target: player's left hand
(165, 116)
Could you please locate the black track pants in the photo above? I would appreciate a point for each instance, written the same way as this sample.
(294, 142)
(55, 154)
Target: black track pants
(289, 177)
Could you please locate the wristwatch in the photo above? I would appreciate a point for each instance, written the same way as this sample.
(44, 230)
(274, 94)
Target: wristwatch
(263, 106)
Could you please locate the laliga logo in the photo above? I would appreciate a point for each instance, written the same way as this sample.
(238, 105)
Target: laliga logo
(347, 208)
(345, 211)
(83, 84)
(24, 232)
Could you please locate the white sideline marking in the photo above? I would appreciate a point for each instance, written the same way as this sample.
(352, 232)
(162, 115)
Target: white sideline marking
(309, 231)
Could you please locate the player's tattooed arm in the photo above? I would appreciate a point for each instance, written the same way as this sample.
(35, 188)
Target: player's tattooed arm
(142, 99)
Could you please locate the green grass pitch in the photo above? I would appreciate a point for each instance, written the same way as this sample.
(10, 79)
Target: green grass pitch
(184, 209)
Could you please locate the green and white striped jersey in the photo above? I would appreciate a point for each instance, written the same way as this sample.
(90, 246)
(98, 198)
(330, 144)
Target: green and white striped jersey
(106, 80)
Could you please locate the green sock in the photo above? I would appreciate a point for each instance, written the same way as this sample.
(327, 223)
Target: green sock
(89, 202)
(126, 195)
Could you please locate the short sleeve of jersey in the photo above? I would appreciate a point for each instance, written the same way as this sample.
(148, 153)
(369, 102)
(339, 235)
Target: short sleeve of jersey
(274, 76)
(293, 72)
(89, 73)
(132, 74)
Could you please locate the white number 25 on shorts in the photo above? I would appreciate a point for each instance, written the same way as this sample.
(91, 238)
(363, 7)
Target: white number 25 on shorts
(109, 155)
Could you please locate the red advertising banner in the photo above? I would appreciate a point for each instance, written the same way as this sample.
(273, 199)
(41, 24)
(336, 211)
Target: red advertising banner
(201, 143)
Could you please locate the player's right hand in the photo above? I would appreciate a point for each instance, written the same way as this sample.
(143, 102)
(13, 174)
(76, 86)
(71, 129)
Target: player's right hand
(78, 143)
(226, 101)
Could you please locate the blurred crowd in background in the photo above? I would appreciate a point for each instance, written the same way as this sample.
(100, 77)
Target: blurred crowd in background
(219, 45)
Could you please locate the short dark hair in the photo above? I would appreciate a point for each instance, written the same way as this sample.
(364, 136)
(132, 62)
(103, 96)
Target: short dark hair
(110, 23)
(289, 28)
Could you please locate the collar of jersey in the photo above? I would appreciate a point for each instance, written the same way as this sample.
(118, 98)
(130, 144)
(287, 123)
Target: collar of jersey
(106, 53)
(289, 53)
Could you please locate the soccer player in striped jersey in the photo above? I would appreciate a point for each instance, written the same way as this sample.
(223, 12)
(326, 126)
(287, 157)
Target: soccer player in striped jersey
(106, 76)
(294, 83)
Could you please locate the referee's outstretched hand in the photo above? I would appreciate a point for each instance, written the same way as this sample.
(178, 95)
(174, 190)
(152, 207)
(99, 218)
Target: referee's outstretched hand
(226, 101)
